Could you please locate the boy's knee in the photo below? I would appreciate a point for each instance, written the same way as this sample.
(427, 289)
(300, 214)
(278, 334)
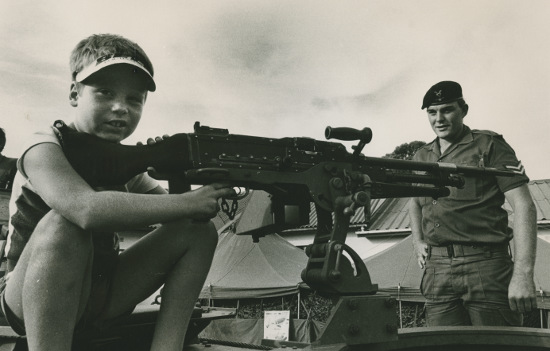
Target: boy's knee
(210, 234)
(55, 233)
(202, 233)
(207, 230)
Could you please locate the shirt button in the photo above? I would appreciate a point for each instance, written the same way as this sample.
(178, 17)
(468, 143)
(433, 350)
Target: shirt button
(434, 202)
(437, 225)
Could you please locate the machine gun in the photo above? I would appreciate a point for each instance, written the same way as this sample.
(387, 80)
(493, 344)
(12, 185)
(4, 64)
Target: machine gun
(291, 169)
(296, 172)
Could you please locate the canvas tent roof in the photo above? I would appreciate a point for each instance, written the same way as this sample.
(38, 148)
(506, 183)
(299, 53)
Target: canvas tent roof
(397, 267)
(244, 269)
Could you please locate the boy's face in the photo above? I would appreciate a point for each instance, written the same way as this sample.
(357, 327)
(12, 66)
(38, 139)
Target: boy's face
(110, 103)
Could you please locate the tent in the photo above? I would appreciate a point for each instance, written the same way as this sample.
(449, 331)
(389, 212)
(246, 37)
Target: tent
(397, 273)
(244, 269)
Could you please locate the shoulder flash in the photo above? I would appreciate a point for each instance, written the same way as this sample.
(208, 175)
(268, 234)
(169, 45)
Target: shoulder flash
(486, 132)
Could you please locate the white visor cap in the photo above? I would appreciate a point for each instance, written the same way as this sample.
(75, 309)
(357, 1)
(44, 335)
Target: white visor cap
(110, 60)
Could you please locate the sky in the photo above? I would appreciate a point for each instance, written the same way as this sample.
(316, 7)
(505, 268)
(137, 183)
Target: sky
(291, 68)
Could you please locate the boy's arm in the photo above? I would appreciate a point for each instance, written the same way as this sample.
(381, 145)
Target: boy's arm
(66, 192)
(158, 190)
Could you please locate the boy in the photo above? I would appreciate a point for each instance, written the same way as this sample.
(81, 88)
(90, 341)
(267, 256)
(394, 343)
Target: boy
(68, 274)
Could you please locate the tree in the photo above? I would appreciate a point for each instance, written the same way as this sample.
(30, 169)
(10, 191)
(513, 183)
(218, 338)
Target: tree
(405, 151)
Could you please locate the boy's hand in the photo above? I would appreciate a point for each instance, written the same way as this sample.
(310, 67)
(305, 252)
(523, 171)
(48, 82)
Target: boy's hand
(205, 200)
(150, 170)
(152, 141)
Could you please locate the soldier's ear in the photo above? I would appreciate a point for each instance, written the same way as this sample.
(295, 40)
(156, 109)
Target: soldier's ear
(73, 95)
(465, 109)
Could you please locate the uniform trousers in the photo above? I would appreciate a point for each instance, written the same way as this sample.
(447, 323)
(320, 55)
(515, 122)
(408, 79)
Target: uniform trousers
(468, 285)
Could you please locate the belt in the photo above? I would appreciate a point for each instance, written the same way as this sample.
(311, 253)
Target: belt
(459, 250)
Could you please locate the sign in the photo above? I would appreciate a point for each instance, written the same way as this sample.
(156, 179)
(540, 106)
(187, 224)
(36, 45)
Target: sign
(276, 325)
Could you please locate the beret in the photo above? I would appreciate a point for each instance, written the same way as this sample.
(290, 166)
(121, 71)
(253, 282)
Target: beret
(442, 93)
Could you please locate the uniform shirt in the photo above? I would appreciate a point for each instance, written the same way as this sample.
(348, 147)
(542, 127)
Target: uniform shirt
(27, 207)
(473, 214)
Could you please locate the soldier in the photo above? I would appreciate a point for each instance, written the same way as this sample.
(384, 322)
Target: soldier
(462, 240)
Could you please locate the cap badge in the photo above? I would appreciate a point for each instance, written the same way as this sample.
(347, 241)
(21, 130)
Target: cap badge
(439, 95)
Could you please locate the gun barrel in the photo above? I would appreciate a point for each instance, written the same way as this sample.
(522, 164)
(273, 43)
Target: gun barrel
(470, 170)
(454, 181)
(450, 168)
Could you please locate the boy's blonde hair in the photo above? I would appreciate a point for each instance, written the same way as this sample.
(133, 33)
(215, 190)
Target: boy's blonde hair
(98, 45)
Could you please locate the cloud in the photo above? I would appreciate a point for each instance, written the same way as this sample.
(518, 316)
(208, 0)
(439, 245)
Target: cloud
(281, 68)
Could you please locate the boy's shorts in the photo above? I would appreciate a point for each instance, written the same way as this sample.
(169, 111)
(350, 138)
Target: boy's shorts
(103, 269)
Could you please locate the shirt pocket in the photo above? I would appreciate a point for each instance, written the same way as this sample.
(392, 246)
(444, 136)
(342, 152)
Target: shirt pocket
(472, 185)
(470, 191)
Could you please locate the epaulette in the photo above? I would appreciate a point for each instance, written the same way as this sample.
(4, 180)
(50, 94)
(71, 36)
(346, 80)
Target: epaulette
(486, 132)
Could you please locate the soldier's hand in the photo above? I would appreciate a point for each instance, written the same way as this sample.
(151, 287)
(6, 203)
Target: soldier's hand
(522, 293)
(421, 251)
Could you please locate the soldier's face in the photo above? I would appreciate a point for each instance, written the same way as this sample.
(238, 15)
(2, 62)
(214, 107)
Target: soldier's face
(446, 120)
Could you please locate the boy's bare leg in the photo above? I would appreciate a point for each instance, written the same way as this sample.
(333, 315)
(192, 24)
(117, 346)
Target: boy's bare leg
(178, 254)
(51, 282)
